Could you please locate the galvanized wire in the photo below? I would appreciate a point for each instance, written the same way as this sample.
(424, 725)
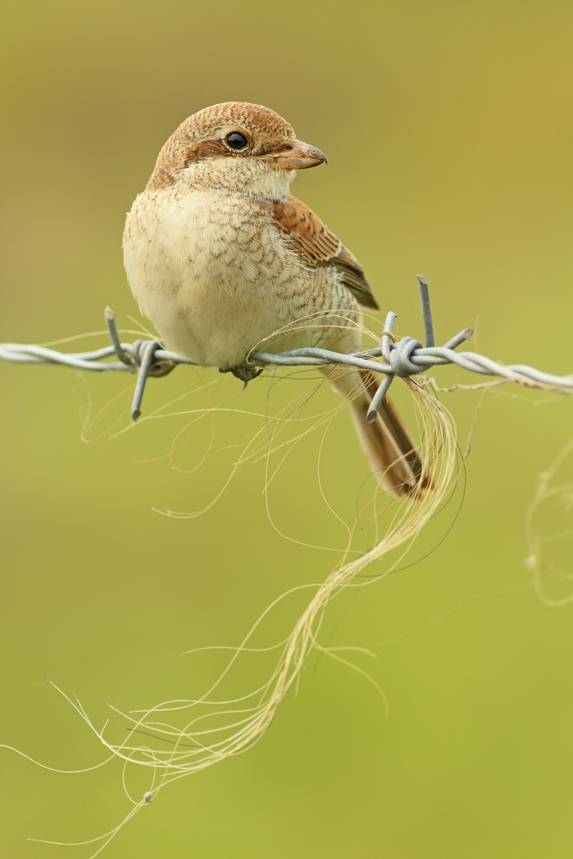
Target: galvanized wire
(405, 357)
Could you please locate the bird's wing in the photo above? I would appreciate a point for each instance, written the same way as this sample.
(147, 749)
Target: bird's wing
(316, 246)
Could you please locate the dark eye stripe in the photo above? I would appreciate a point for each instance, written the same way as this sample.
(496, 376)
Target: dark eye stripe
(204, 149)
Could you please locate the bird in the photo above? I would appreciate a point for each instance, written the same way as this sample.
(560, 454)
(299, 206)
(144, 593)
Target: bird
(223, 260)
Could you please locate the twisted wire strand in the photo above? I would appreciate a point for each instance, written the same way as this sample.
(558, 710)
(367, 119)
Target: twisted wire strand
(406, 357)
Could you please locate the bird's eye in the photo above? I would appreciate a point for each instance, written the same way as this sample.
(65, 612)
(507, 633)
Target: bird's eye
(236, 140)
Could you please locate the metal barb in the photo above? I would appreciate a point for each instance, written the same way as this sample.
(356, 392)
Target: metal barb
(147, 352)
(378, 398)
(426, 311)
(386, 344)
(114, 337)
(386, 341)
(459, 338)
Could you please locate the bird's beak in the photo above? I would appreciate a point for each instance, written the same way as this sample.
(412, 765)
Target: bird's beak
(298, 156)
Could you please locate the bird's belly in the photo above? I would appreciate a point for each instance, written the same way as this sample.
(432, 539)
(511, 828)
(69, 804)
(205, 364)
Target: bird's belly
(219, 318)
(210, 313)
(217, 282)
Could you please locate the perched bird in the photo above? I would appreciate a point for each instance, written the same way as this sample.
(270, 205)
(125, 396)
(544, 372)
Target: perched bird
(222, 259)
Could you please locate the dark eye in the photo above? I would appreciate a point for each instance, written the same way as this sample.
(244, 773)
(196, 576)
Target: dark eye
(236, 140)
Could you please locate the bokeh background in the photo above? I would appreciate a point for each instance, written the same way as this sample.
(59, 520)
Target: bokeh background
(449, 132)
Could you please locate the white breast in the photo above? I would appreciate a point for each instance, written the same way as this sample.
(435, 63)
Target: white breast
(210, 272)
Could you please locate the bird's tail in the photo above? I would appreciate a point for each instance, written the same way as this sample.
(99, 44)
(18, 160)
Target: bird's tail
(392, 454)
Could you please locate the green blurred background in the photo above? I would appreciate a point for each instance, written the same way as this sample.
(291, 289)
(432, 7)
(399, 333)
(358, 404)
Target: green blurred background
(449, 132)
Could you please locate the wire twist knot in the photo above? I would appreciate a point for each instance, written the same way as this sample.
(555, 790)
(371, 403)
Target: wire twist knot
(139, 348)
(399, 357)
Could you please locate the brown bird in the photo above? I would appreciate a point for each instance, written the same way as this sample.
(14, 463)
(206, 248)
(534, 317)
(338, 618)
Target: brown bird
(222, 259)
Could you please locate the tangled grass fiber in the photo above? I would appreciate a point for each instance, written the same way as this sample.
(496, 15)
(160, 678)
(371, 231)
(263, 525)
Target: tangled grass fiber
(218, 728)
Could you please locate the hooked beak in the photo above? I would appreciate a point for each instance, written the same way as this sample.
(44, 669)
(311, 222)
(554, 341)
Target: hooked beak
(298, 156)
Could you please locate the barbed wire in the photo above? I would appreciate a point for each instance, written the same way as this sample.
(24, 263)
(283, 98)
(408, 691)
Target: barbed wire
(402, 358)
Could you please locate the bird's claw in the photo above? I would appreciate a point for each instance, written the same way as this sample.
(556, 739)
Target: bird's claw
(245, 374)
(161, 368)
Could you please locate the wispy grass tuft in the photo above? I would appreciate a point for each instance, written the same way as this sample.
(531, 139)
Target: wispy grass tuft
(213, 727)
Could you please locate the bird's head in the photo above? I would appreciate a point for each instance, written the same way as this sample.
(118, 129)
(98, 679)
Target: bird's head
(235, 147)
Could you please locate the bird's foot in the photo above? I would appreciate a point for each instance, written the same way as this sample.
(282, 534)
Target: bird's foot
(161, 368)
(245, 374)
